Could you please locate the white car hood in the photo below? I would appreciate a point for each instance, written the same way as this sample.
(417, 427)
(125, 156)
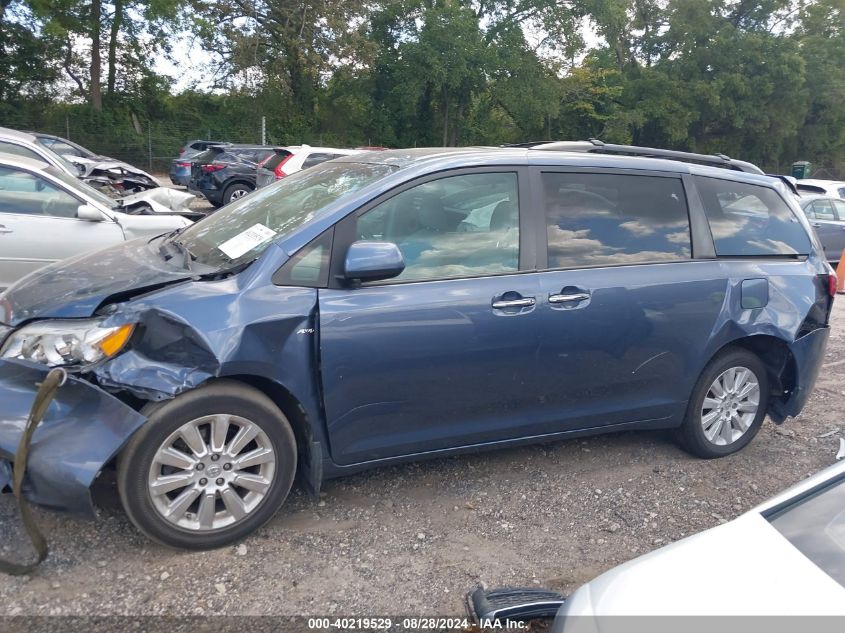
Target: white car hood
(149, 225)
(744, 567)
(104, 163)
(161, 199)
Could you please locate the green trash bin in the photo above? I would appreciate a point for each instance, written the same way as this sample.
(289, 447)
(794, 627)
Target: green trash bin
(801, 169)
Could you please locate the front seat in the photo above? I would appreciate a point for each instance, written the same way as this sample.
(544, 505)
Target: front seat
(433, 216)
(504, 216)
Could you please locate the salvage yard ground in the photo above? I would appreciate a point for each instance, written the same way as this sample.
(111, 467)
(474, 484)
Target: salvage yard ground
(413, 539)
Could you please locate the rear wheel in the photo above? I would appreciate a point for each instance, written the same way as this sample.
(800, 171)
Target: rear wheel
(727, 406)
(209, 467)
(235, 191)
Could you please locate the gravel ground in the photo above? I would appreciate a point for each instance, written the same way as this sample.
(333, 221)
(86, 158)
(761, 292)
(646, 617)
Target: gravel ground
(413, 539)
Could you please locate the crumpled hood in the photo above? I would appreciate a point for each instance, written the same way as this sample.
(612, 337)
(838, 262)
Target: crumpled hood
(74, 288)
(160, 199)
(104, 163)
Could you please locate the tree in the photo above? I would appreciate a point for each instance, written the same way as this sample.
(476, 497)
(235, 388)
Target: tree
(132, 43)
(28, 64)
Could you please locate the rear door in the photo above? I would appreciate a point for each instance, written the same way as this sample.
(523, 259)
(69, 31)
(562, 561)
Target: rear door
(38, 225)
(827, 226)
(625, 311)
(839, 209)
(445, 354)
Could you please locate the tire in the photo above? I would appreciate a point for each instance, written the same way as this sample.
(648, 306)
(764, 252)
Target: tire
(235, 191)
(699, 434)
(207, 515)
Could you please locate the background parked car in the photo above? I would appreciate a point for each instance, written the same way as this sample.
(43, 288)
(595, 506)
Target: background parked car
(192, 148)
(114, 176)
(832, 188)
(224, 173)
(47, 215)
(26, 145)
(180, 168)
(289, 160)
(827, 217)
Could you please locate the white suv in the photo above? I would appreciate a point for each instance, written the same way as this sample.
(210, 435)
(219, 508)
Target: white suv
(835, 188)
(291, 159)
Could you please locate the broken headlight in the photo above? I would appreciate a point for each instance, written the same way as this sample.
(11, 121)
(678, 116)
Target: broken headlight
(66, 342)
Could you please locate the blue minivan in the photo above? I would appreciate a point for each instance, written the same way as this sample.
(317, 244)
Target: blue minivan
(409, 304)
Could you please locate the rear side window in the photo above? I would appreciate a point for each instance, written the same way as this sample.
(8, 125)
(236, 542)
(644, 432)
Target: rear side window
(823, 210)
(64, 149)
(260, 154)
(207, 156)
(610, 219)
(274, 160)
(228, 157)
(317, 158)
(750, 220)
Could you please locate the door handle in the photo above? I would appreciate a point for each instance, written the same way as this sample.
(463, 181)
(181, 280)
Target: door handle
(525, 302)
(3, 229)
(577, 296)
(816, 225)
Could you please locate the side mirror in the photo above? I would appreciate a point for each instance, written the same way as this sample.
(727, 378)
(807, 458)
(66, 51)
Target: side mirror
(373, 261)
(89, 213)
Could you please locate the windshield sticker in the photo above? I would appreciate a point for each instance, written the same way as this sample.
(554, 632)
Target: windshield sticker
(246, 241)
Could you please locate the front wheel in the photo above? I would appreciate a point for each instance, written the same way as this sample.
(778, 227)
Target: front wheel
(727, 406)
(208, 468)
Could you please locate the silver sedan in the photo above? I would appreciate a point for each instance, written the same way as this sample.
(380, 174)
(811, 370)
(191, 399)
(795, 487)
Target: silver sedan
(47, 215)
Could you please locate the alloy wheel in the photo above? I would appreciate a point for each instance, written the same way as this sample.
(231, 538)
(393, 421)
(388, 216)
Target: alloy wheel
(730, 406)
(212, 472)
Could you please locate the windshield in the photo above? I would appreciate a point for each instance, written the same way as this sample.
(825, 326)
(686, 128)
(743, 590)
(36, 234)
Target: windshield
(71, 167)
(76, 184)
(816, 527)
(240, 231)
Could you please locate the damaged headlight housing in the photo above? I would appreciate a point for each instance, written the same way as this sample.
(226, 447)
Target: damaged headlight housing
(66, 342)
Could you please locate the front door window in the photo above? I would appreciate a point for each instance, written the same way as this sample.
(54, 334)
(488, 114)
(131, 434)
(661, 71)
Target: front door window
(459, 226)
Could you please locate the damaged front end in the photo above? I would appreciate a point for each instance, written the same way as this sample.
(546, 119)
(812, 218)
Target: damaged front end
(82, 430)
(114, 177)
(160, 201)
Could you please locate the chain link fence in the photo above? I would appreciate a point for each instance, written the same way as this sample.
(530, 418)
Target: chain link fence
(149, 145)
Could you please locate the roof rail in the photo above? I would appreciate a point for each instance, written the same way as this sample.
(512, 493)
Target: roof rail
(599, 147)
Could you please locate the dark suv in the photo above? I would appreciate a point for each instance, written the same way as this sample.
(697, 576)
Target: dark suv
(226, 172)
(404, 305)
